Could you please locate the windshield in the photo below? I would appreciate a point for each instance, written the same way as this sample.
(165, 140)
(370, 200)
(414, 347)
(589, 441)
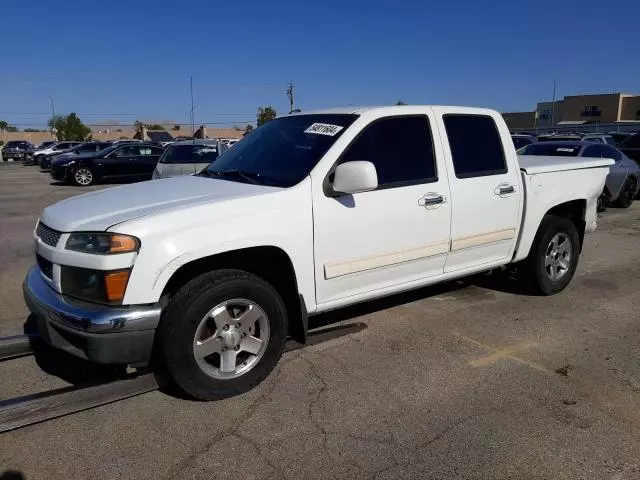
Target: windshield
(552, 149)
(283, 151)
(45, 144)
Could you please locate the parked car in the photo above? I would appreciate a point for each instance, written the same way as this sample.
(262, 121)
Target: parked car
(56, 147)
(520, 141)
(623, 181)
(126, 140)
(599, 138)
(83, 148)
(309, 213)
(631, 147)
(128, 160)
(187, 157)
(15, 150)
(620, 137)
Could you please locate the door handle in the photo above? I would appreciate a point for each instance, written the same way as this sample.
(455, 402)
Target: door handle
(431, 200)
(504, 189)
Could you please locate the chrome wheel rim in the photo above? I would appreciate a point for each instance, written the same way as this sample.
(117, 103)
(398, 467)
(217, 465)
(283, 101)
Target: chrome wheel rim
(231, 339)
(83, 176)
(557, 260)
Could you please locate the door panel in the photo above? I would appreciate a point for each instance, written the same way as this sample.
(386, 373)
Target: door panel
(485, 188)
(145, 160)
(396, 234)
(117, 163)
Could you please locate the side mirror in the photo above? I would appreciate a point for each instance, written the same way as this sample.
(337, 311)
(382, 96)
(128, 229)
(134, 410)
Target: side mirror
(355, 177)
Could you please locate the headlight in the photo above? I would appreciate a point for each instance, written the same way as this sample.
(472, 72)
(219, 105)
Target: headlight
(102, 243)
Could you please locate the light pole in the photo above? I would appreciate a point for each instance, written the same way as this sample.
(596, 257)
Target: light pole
(53, 116)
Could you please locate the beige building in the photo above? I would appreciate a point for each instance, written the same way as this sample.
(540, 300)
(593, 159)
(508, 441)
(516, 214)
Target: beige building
(578, 110)
(125, 132)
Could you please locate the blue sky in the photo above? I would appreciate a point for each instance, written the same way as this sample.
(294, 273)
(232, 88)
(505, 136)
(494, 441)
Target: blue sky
(124, 60)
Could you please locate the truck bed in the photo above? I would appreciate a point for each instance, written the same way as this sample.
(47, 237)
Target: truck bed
(533, 164)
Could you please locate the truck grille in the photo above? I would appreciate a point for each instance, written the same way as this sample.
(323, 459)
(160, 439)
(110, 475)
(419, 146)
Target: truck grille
(48, 235)
(46, 266)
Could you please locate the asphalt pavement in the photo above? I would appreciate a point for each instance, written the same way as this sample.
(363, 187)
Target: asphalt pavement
(471, 379)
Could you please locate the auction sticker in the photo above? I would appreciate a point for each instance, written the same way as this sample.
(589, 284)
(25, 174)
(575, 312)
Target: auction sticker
(324, 129)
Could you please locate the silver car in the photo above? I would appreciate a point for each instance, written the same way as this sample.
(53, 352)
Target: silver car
(623, 181)
(187, 157)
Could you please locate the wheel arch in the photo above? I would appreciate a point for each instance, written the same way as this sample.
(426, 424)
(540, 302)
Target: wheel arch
(270, 263)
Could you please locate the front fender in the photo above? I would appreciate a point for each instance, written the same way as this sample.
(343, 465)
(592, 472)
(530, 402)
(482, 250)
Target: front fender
(173, 239)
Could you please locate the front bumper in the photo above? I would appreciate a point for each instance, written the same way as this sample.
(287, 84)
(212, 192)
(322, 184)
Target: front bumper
(99, 333)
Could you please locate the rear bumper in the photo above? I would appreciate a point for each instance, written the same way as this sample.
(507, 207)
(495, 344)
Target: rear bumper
(99, 333)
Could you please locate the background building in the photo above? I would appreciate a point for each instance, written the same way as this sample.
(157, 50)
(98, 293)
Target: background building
(613, 109)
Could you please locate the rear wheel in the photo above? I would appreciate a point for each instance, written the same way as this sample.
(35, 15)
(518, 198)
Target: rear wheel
(553, 258)
(628, 193)
(82, 176)
(222, 334)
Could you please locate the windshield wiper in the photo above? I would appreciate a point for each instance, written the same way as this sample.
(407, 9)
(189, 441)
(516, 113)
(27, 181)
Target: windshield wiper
(250, 177)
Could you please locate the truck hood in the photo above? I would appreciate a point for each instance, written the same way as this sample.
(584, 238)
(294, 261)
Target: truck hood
(97, 211)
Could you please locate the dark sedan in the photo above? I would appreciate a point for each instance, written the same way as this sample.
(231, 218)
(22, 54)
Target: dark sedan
(82, 149)
(631, 147)
(123, 161)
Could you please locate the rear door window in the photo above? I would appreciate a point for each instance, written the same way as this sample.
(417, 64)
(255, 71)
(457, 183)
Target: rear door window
(476, 145)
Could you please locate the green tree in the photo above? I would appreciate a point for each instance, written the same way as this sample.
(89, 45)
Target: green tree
(176, 127)
(265, 114)
(69, 127)
(31, 130)
(155, 126)
(11, 128)
(400, 102)
(248, 129)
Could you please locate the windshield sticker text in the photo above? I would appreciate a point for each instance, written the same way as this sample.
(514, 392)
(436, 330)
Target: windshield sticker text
(324, 129)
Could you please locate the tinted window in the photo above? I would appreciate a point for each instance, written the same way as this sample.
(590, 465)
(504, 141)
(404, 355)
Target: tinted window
(520, 142)
(190, 154)
(127, 151)
(602, 151)
(593, 139)
(282, 151)
(476, 147)
(610, 141)
(632, 142)
(401, 149)
(552, 149)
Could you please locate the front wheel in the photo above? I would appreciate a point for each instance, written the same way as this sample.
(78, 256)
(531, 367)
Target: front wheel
(553, 258)
(222, 334)
(82, 176)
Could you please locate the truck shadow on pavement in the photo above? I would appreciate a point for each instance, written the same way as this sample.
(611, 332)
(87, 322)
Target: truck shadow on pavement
(12, 475)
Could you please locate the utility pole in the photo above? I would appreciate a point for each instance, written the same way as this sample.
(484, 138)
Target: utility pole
(193, 128)
(290, 95)
(553, 106)
(53, 116)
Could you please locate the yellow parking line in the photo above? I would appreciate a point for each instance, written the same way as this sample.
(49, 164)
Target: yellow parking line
(501, 354)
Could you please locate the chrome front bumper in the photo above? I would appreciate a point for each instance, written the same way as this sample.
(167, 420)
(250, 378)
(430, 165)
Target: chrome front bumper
(100, 333)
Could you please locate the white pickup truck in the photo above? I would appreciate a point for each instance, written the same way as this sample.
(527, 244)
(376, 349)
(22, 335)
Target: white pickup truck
(311, 212)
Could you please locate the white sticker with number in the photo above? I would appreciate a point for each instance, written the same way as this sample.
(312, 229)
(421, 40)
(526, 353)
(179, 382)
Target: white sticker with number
(324, 129)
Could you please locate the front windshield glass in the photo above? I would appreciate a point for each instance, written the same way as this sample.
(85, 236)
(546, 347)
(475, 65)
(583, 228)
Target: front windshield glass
(281, 152)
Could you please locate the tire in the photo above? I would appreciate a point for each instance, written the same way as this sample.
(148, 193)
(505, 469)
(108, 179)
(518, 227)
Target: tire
(627, 194)
(82, 176)
(38, 160)
(209, 308)
(543, 267)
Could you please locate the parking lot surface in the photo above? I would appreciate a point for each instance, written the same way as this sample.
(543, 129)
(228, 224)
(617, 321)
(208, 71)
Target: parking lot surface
(472, 379)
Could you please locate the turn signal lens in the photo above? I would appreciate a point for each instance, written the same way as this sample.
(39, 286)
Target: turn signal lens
(115, 285)
(123, 244)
